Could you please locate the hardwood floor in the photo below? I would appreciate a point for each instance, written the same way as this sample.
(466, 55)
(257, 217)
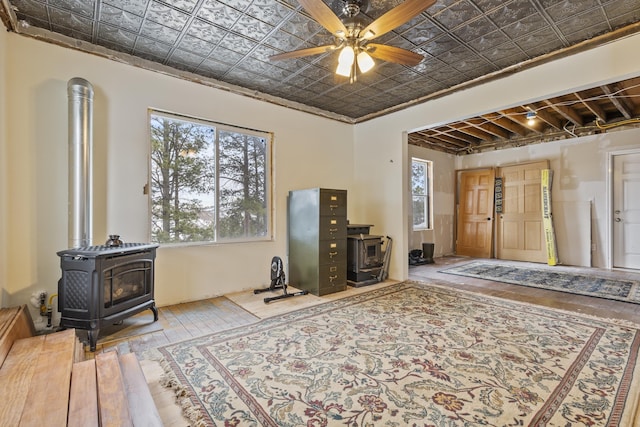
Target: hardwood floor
(184, 321)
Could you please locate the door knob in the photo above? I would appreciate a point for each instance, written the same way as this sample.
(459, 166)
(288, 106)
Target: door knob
(617, 211)
(618, 220)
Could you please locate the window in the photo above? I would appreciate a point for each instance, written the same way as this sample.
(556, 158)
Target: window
(209, 182)
(421, 192)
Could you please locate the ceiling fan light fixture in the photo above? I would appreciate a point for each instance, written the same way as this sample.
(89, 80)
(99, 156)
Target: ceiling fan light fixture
(365, 62)
(345, 61)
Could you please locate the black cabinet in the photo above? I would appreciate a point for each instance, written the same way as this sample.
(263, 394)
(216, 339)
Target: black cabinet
(317, 222)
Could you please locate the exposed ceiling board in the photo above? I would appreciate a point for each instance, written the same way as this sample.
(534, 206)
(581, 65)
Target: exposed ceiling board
(227, 44)
(591, 111)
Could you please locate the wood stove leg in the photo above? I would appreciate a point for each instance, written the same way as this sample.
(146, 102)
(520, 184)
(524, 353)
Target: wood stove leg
(93, 338)
(155, 312)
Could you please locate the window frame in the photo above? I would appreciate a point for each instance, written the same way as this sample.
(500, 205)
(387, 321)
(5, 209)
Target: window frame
(427, 203)
(268, 177)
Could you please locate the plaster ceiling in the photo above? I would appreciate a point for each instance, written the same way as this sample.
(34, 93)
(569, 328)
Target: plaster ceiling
(227, 44)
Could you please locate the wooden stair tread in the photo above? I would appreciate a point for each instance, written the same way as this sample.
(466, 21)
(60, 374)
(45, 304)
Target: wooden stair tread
(48, 397)
(112, 398)
(16, 375)
(6, 318)
(143, 409)
(15, 323)
(83, 397)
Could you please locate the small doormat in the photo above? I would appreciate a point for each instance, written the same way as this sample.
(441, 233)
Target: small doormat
(544, 278)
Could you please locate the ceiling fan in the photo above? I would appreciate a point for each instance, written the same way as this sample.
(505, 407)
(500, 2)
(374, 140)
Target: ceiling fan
(354, 41)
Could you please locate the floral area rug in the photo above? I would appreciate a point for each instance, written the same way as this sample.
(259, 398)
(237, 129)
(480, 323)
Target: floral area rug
(412, 354)
(545, 278)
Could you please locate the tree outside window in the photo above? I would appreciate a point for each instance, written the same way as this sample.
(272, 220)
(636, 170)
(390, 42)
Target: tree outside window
(421, 193)
(209, 182)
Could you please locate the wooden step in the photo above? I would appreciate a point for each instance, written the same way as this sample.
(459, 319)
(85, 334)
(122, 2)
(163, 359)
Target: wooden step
(15, 378)
(35, 378)
(113, 404)
(48, 397)
(83, 397)
(15, 323)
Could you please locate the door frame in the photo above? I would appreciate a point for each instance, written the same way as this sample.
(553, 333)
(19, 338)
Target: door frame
(609, 203)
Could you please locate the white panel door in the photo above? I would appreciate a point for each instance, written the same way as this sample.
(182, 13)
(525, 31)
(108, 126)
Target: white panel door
(626, 211)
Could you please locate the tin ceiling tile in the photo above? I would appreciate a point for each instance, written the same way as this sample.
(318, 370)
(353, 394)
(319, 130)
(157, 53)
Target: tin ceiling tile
(152, 47)
(220, 53)
(219, 13)
(169, 17)
(65, 19)
(252, 28)
(563, 9)
(440, 45)
(267, 11)
(31, 9)
(108, 34)
(585, 25)
(115, 46)
(423, 32)
(474, 29)
(205, 31)
(540, 37)
(625, 19)
(525, 26)
(195, 45)
(80, 7)
(489, 41)
(120, 18)
(137, 7)
(618, 8)
(188, 59)
(213, 67)
(159, 32)
(457, 14)
(512, 12)
(73, 33)
(237, 43)
(301, 25)
(576, 34)
(504, 50)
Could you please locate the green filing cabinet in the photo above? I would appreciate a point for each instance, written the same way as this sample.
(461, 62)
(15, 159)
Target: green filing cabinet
(317, 220)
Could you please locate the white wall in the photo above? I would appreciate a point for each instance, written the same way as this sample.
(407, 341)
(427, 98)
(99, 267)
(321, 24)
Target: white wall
(441, 235)
(3, 169)
(382, 140)
(309, 152)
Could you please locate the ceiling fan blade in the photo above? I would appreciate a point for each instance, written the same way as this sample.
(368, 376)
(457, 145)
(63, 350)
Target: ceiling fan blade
(303, 52)
(394, 54)
(394, 18)
(324, 16)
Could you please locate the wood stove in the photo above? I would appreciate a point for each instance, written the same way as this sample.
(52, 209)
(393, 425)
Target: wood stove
(102, 285)
(364, 255)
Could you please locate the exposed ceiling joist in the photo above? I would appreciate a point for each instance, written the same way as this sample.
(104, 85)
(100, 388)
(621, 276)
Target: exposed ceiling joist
(593, 110)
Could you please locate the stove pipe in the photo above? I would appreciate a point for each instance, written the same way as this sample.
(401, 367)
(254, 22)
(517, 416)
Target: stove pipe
(80, 95)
